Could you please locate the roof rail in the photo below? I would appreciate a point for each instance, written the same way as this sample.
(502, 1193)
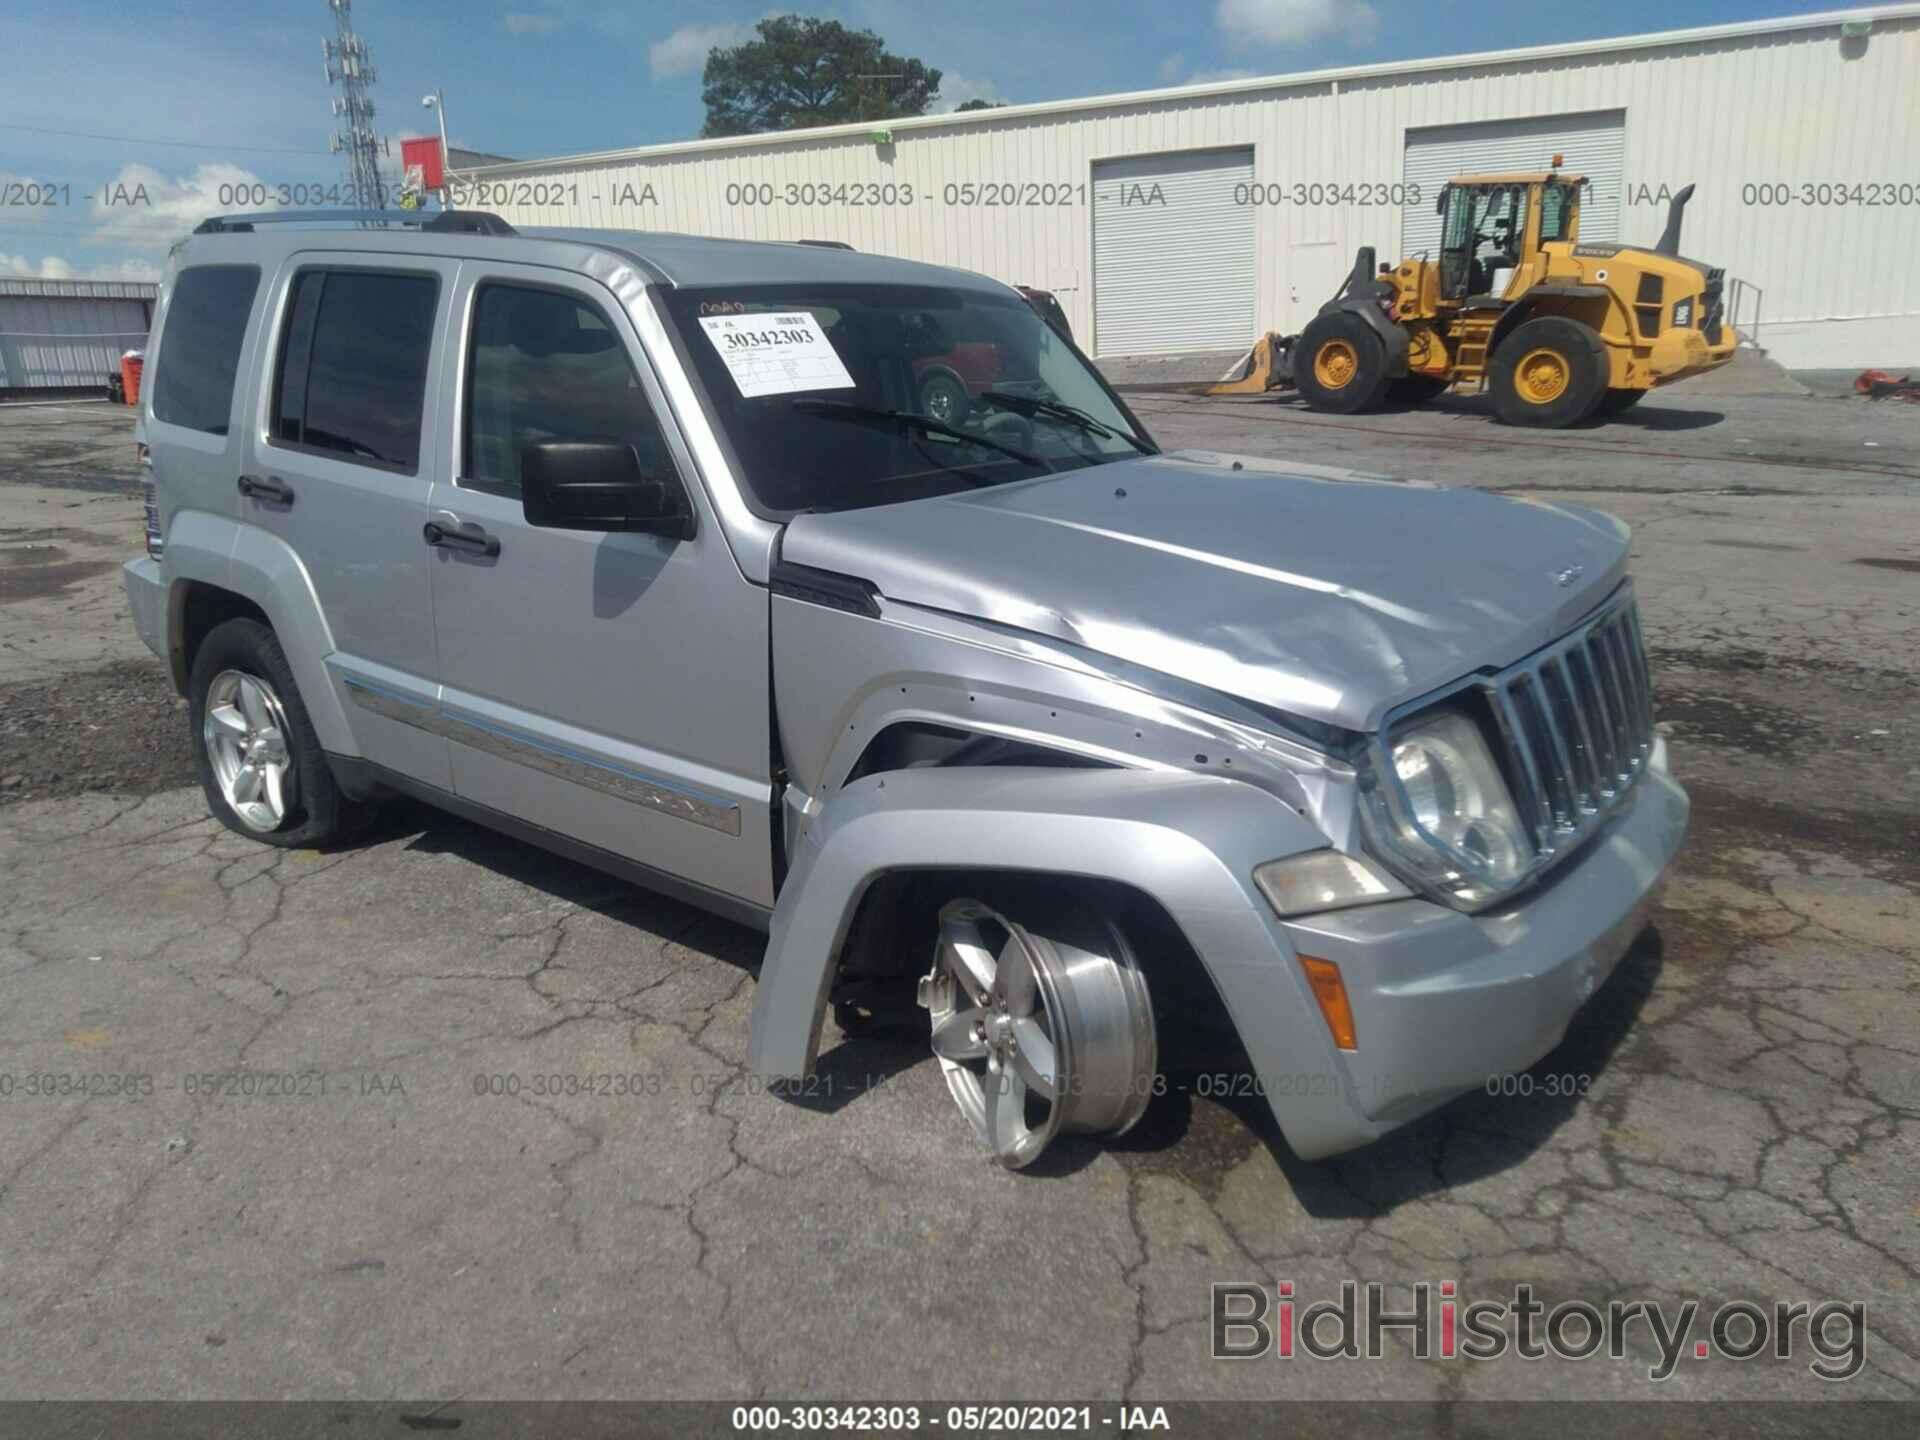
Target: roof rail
(827, 244)
(462, 222)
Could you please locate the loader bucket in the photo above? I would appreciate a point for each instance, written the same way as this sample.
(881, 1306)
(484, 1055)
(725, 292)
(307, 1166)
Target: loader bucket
(1267, 368)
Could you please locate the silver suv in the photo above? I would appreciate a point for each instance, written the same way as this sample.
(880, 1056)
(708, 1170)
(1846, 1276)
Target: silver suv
(841, 595)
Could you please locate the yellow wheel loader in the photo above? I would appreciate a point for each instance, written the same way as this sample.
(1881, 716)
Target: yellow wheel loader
(1555, 329)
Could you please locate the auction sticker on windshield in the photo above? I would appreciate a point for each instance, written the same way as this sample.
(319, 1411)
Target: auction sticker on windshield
(776, 354)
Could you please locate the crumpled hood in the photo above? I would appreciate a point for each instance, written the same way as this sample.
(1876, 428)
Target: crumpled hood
(1325, 593)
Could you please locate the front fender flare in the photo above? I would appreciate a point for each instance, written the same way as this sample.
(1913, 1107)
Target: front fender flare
(1189, 841)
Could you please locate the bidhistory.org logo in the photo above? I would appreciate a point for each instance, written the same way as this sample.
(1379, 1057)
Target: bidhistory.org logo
(1251, 1321)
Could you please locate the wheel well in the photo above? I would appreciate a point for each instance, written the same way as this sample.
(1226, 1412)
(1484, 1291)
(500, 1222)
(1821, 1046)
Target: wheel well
(912, 744)
(890, 943)
(200, 608)
(1590, 313)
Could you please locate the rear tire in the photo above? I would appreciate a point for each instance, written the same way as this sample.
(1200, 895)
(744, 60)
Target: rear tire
(271, 783)
(1549, 373)
(1618, 402)
(1416, 389)
(1339, 364)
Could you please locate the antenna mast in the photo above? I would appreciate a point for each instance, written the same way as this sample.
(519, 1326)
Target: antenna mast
(350, 67)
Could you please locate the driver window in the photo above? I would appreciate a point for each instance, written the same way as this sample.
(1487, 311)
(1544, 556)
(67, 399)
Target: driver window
(1556, 212)
(548, 366)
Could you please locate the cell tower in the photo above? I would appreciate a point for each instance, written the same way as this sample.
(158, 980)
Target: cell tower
(350, 66)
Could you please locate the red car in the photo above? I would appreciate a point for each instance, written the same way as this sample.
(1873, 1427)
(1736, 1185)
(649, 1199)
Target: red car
(948, 382)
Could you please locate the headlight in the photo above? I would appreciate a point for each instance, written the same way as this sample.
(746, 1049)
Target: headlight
(1443, 814)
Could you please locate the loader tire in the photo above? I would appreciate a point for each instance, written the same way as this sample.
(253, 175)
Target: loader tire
(1416, 389)
(1618, 402)
(1549, 373)
(1340, 364)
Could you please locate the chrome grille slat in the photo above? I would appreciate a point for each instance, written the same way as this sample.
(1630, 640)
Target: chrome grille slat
(1559, 742)
(1576, 720)
(1614, 637)
(1586, 758)
(1598, 722)
(1535, 800)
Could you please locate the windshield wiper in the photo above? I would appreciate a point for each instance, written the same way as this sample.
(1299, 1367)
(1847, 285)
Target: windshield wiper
(908, 420)
(1073, 415)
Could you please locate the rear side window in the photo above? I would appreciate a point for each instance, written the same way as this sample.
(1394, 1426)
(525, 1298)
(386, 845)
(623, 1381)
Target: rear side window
(546, 366)
(200, 350)
(352, 379)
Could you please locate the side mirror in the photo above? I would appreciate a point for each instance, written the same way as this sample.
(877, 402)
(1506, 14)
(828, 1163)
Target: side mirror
(1440, 202)
(599, 485)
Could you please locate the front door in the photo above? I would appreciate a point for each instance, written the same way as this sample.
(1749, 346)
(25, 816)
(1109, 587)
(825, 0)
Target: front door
(610, 687)
(339, 467)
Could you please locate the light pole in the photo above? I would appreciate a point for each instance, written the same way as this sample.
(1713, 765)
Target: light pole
(437, 102)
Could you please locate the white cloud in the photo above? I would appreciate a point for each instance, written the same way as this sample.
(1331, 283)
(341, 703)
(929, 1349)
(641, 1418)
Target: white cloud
(50, 267)
(1207, 77)
(157, 209)
(684, 52)
(57, 267)
(1287, 23)
(1172, 67)
(956, 90)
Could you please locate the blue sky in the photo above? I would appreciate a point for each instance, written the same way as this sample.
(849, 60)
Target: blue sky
(239, 82)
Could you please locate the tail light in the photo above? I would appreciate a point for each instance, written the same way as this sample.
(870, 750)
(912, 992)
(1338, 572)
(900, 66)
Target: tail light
(143, 456)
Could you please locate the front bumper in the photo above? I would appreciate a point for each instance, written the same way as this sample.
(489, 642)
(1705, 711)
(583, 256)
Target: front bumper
(1445, 1002)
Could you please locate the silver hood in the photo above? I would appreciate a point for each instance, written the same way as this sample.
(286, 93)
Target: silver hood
(1323, 593)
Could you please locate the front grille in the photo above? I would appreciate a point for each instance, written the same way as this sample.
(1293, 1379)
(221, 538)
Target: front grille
(1577, 722)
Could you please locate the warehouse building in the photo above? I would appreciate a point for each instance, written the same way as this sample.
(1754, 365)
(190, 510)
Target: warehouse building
(1196, 218)
(63, 336)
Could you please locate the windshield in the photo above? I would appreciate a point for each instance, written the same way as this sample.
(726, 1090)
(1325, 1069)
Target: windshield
(841, 396)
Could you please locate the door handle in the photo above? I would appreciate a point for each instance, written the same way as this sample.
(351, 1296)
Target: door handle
(267, 487)
(461, 535)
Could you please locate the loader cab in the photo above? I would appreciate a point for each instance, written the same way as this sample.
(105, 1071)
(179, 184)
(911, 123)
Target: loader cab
(1491, 230)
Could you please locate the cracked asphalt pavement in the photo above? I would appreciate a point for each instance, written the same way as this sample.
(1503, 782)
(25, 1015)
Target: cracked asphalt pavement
(378, 1223)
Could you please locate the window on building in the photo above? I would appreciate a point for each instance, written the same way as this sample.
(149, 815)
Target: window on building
(199, 353)
(352, 379)
(548, 366)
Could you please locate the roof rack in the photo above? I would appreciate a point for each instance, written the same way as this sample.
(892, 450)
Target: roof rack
(828, 244)
(458, 222)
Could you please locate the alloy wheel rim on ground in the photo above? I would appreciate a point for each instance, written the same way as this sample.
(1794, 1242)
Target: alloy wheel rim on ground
(1020, 1022)
(246, 736)
(1335, 364)
(1542, 376)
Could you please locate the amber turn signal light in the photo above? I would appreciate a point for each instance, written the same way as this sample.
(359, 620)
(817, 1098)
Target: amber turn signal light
(1331, 991)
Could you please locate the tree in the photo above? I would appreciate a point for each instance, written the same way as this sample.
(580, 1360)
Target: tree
(804, 71)
(978, 105)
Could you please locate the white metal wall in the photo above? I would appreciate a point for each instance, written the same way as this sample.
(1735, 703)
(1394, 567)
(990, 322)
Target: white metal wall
(1593, 146)
(1173, 253)
(1794, 107)
(49, 343)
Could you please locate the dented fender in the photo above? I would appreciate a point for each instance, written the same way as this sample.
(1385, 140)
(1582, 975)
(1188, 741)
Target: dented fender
(1189, 841)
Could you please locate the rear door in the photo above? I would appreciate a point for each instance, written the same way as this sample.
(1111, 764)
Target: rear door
(610, 687)
(340, 468)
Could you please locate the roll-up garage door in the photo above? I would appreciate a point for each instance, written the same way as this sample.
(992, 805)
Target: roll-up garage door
(1173, 253)
(1593, 145)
